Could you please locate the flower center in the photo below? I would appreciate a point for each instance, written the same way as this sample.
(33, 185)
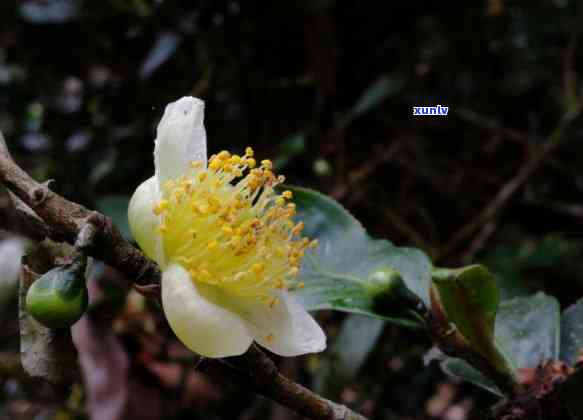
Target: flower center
(228, 227)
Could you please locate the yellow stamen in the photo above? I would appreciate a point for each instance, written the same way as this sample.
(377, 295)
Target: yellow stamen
(228, 228)
(160, 207)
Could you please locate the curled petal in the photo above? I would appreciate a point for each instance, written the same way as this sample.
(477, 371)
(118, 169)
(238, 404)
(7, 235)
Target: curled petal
(11, 252)
(203, 326)
(286, 329)
(143, 222)
(181, 138)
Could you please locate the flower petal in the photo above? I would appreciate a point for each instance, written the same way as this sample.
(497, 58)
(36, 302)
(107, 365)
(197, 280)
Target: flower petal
(143, 221)
(286, 329)
(204, 327)
(11, 252)
(181, 138)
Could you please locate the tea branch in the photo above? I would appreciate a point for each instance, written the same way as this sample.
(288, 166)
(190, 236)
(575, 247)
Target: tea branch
(98, 237)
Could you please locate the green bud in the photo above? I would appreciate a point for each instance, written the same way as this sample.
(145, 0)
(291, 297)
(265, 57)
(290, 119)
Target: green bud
(59, 298)
(385, 281)
(389, 292)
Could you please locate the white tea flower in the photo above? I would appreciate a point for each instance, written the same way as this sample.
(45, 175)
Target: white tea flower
(225, 241)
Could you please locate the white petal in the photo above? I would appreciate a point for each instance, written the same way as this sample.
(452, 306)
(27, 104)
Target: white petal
(11, 251)
(143, 221)
(181, 138)
(286, 329)
(204, 327)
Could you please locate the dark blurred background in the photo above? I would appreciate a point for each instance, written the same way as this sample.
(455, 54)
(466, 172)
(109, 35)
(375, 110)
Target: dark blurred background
(325, 88)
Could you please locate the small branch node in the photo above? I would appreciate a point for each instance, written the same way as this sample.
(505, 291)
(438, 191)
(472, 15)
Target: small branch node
(41, 193)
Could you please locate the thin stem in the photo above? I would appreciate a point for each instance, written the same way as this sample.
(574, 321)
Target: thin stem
(98, 237)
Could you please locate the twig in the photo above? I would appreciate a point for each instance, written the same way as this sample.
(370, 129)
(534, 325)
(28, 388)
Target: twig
(36, 228)
(483, 122)
(66, 218)
(479, 242)
(406, 229)
(86, 234)
(99, 238)
(512, 186)
(452, 343)
(264, 375)
(357, 176)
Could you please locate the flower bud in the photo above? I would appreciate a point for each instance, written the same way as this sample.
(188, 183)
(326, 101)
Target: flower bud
(389, 291)
(59, 297)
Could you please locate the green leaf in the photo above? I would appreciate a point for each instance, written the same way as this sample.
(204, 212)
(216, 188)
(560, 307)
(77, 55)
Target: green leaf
(470, 297)
(352, 272)
(374, 95)
(526, 332)
(528, 329)
(572, 332)
(463, 370)
(290, 147)
(356, 339)
(116, 207)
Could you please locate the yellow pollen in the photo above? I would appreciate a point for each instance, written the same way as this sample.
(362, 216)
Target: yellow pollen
(269, 338)
(227, 226)
(258, 268)
(224, 155)
(298, 228)
(160, 207)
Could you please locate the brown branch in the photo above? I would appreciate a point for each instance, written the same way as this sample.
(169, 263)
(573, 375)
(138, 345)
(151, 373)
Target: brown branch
(452, 343)
(478, 120)
(66, 218)
(270, 382)
(381, 156)
(406, 229)
(479, 242)
(102, 240)
(512, 186)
